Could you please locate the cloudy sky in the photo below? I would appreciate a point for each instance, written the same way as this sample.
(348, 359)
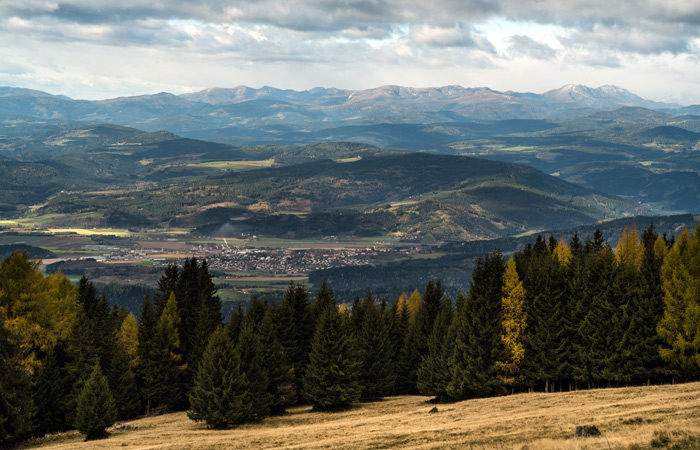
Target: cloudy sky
(107, 48)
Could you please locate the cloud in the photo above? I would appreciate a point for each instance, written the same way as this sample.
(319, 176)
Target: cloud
(521, 45)
(456, 36)
(226, 42)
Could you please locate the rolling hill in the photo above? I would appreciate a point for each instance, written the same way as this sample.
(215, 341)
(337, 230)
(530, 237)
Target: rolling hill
(449, 197)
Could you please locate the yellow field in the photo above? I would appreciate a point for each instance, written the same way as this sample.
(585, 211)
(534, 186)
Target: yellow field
(629, 419)
(235, 164)
(90, 231)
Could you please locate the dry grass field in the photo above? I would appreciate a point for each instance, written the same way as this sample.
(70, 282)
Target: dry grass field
(657, 417)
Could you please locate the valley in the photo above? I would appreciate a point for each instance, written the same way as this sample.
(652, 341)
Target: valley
(308, 197)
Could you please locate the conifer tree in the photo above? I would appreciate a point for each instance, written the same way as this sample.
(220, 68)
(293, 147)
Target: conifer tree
(400, 317)
(16, 406)
(296, 329)
(218, 395)
(249, 355)
(599, 332)
(278, 370)
(478, 345)
(255, 312)
(374, 352)
(414, 302)
(331, 379)
(546, 340)
(235, 324)
(679, 328)
(514, 324)
(163, 366)
(640, 346)
(433, 374)
(96, 409)
(50, 392)
(324, 299)
(629, 250)
(167, 283)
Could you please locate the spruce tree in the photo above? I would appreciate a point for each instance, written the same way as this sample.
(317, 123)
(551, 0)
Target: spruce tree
(296, 329)
(163, 366)
(235, 324)
(433, 374)
(276, 367)
(167, 283)
(374, 352)
(95, 410)
(50, 392)
(478, 346)
(250, 356)
(331, 379)
(598, 330)
(399, 329)
(218, 395)
(546, 341)
(324, 299)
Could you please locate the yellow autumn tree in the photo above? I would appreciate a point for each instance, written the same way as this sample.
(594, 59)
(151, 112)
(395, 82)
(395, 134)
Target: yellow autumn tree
(39, 310)
(401, 303)
(514, 323)
(629, 250)
(562, 252)
(127, 338)
(679, 328)
(414, 302)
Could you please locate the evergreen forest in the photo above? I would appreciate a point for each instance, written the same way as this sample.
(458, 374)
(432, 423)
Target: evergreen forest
(555, 316)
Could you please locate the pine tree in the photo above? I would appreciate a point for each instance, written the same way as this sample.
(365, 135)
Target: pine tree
(218, 395)
(374, 352)
(514, 324)
(331, 379)
(95, 409)
(478, 345)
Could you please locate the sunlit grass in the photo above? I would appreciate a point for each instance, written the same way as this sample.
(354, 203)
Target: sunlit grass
(629, 418)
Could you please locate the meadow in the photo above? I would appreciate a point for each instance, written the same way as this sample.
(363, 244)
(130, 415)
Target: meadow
(633, 418)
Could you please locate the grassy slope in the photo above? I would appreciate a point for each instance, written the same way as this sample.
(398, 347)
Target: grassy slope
(629, 418)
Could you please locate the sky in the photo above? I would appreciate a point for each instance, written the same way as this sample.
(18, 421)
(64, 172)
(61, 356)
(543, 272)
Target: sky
(96, 49)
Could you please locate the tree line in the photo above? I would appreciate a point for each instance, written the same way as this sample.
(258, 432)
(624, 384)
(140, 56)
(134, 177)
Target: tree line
(555, 316)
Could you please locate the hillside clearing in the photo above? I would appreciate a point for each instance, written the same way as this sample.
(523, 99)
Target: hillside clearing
(629, 418)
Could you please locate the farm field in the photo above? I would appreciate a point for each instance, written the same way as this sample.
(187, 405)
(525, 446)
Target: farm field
(628, 418)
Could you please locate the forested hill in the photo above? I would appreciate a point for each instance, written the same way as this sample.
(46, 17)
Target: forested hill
(451, 197)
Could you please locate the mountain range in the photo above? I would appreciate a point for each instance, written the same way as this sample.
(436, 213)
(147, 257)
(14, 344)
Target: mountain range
(245, 108)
